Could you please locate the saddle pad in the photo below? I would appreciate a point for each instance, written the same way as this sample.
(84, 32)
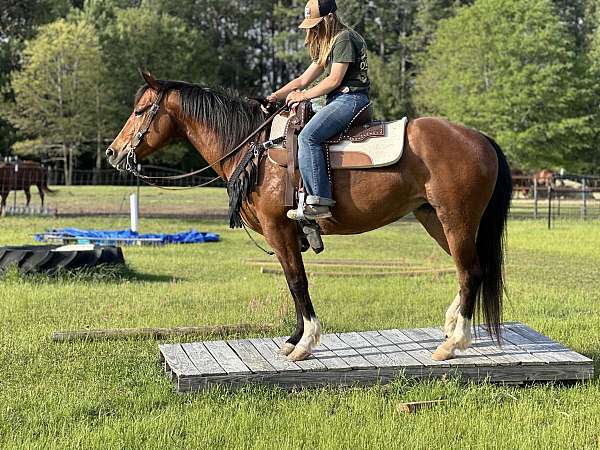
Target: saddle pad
(371, 153)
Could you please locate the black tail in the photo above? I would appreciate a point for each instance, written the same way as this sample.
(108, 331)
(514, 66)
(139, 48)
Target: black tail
(45, 184)
(48, 190)
(490, 245)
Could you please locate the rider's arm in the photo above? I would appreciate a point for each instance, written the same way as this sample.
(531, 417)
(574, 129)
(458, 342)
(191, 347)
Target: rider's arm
(329, 84)
(313, 72)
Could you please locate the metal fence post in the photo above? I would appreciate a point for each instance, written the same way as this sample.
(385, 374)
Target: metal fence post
(535, 197)
(584, 198)
(549, 204)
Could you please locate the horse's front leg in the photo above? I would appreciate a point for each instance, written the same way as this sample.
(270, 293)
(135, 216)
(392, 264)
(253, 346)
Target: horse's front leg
(283, 239)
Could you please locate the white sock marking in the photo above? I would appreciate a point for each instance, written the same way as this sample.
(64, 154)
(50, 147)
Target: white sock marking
(462, 333)
(312, 334)
(452, 316)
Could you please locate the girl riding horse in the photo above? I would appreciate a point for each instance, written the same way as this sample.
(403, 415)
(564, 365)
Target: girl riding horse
(340, 53)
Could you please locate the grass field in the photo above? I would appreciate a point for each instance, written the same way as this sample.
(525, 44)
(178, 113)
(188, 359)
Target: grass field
(114, 394)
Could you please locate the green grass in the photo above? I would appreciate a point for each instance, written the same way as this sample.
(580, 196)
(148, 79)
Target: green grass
(114, 395)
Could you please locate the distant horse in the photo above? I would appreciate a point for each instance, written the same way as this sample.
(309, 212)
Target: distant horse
(522, 183)
(544, 177)
(455, 180)
(29, 174)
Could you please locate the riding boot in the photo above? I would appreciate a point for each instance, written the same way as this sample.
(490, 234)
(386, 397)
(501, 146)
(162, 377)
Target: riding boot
(315, 208)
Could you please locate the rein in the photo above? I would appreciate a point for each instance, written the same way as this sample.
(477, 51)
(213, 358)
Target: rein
(131, 159)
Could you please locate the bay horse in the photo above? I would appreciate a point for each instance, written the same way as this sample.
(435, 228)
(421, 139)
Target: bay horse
(455, 180)
(30, 173)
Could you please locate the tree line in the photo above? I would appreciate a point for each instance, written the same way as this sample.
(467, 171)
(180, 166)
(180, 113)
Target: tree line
(523, 71)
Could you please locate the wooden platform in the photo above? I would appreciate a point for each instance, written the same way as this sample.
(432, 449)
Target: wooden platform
(371, 357)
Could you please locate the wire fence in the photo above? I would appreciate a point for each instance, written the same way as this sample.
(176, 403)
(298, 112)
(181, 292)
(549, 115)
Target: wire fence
(112, 177)
(556, 196)
(548, 197)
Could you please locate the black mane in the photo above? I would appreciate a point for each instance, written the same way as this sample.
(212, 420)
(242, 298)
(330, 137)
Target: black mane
(227, 114)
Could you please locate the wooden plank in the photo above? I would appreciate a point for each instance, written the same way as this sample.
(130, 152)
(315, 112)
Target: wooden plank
(565, 354)
(158, 333)
(202, 359)
(508, 351)
(392, 351)
(344, 351)
(399, 339)
(227, 358)
(507, 355)
(269, 351)
(177, 360)
(311, 364)
(366, 349)
(557, 353)
(428, 346)
(329, 359)
(335, 262)
(368, 274)
(531, 347)
(250, 356)
(529, 333)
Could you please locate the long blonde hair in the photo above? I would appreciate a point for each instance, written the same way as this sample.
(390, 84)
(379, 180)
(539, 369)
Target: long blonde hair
(320, 39)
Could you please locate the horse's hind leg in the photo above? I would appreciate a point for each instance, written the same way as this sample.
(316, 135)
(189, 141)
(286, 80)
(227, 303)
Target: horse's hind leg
(27, 196)
(40, 187)
(427, 216)
(284, 241)
(462, 244)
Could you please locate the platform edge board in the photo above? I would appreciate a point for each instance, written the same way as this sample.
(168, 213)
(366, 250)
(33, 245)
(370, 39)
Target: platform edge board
(371, 377)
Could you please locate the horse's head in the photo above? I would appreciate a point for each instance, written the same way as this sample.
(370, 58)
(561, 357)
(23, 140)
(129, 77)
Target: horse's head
(148, 128)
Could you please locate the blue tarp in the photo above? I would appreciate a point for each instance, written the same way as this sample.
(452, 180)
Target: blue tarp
(99, 236)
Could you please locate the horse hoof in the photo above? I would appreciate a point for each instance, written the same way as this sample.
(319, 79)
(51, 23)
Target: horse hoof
(299, 354)
(287, 348)
(443, 352)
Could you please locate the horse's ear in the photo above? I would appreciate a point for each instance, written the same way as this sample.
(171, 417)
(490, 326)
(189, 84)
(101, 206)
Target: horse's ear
(149, 79)
(268, 108)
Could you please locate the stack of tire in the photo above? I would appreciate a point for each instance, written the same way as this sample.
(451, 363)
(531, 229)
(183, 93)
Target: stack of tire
(50, 259)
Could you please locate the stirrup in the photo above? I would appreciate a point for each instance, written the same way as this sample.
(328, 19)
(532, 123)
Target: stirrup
(312, 231)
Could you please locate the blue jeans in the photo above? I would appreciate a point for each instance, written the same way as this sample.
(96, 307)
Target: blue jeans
(329, 121)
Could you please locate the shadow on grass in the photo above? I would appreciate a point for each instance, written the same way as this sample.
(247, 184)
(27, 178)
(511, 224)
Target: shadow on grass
(98, 274)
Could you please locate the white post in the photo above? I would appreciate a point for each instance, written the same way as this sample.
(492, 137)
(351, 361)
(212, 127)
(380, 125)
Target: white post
(16, 182)
(135, 214)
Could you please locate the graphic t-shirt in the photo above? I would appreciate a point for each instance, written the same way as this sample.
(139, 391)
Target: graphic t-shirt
(350, 47)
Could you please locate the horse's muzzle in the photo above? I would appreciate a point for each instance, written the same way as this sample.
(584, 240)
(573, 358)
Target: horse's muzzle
(114, 158)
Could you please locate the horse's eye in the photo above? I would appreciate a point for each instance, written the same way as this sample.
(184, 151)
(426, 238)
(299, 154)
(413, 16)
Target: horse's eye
(139, 112)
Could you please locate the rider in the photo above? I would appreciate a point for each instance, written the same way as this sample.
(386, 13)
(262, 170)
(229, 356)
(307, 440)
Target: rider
(341, 54)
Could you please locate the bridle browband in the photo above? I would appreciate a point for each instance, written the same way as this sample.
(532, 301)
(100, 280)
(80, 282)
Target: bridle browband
(131, 158)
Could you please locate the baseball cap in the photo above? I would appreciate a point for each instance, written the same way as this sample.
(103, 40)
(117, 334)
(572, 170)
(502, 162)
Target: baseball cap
(315, 12)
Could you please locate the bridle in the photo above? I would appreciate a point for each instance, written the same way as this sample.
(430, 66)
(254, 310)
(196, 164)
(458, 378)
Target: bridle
(131, 158)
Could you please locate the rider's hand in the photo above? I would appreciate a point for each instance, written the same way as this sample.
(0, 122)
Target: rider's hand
(272, 98)
(295, 97)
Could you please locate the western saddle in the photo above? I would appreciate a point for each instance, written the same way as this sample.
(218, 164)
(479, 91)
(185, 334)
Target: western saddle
(361, 127)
